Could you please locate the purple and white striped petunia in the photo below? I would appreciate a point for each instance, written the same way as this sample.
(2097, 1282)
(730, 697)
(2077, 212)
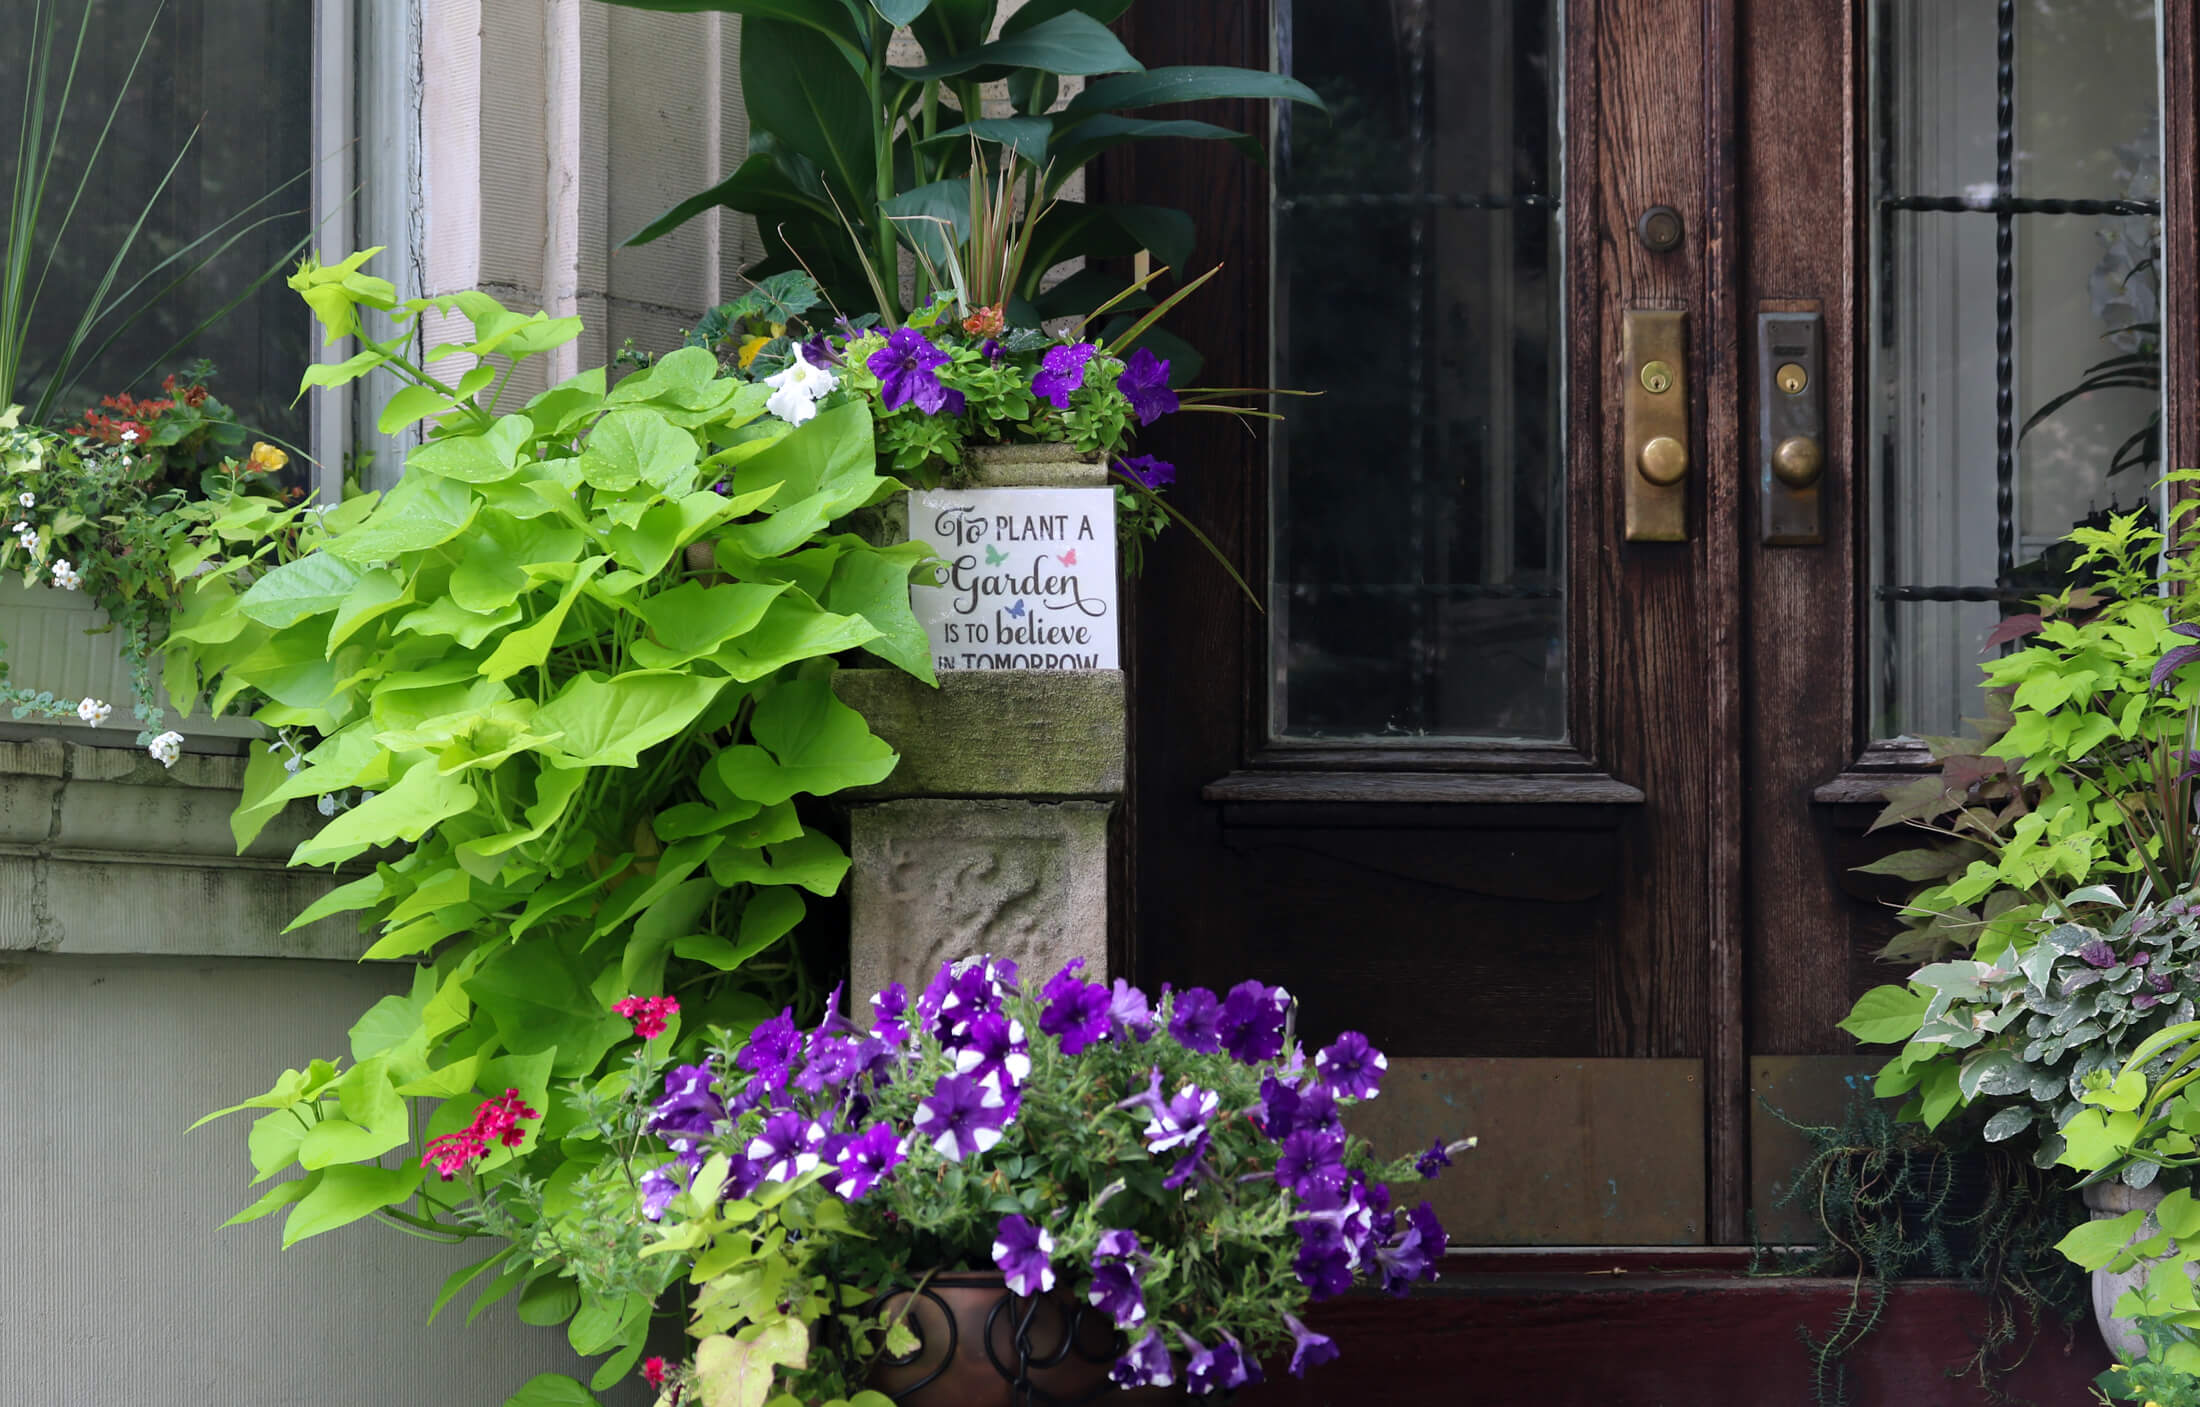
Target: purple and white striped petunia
(1144, 1364)
(660, 1185)
(1180, 1122)
(863, 1161)
(1350, 1068)
(1118, 1289)
(996, 1051)
(1223, 1368)
(691, 1108)
(772, 1046)
(1024, 1252)
(962, 1116)
(787, 1146)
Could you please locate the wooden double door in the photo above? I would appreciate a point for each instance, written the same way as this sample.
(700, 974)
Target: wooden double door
(1546, 759)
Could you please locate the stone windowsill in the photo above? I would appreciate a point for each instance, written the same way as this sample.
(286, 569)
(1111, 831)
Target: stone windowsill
(102, 850)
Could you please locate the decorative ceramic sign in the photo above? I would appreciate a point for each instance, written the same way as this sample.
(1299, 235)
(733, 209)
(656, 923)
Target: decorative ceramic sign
(1029, 581)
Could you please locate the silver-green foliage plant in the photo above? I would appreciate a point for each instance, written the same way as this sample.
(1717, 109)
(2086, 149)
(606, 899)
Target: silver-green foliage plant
(563, 689)
(2025, 1032)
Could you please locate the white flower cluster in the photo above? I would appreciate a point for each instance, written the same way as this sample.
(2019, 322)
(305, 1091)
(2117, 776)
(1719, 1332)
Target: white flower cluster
(94, 712)
(797, 390)
(65, 576)
(166, 748)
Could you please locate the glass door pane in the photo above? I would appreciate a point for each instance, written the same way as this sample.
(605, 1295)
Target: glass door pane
(2016, 387)
(1419, 548)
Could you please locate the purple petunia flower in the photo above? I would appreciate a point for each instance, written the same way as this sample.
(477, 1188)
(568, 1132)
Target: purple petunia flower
(1194, 1020)
(787, 1146)
(863, 1160)
(660, 1185)
(887, 1008)
(1277, 1114)
(1076, 1011)
(690, 1108)
(2098, 954)
(1310, 1156)
(960, 993)
(1223, 1368)
(1118, 1245)
(1147, 471)
(1144, 1364)
(772, 1046)
(1129, 1013)
(833, 1061)
(1310, 1349)
(962, 1116)
(907, 368)
(1252, 1020)
(990, 349)
(1023, 1252)
(1350, 1068)
(1182, 1121)
(1117, 1293)
(1061, 371)
(996, 1052)
(1338, 1218)
(819, 352)
(1145, 384)
(1429, 1164)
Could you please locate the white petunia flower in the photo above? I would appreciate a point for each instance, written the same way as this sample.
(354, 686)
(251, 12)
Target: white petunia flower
(94, 712)
(20, 528)
(796, 391)
(326, 806)
(128, 436)
(166, 748)
(26, 500)
(66, 577)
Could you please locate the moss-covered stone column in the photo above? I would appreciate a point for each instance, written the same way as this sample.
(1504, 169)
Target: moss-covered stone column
(991, 836)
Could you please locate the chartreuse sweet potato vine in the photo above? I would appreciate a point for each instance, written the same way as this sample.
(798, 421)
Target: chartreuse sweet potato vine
(569, 746)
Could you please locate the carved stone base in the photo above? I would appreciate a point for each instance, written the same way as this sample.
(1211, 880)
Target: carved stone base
(936, 879)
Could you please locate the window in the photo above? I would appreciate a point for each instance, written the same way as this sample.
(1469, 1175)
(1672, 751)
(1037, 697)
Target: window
(2017, 181)
(242, 74)
(1419, 550)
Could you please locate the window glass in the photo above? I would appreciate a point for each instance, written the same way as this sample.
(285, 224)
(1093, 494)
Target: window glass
(239, 72)
(1419, 545)
(2016, 356)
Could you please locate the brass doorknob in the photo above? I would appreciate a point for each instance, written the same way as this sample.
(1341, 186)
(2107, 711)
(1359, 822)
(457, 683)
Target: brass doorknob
(1798, 461)
(1663, 461)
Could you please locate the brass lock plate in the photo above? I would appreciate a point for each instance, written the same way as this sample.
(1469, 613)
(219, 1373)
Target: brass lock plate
(1655, 451)
(1791, 428)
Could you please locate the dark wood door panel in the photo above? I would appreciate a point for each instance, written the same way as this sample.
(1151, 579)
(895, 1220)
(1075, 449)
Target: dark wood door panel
(1385, 933)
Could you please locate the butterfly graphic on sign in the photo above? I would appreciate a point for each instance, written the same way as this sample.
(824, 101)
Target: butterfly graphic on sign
(994, 556)
(1017, 610)
(1069, 558)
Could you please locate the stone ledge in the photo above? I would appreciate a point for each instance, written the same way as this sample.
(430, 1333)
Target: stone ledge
(102, 850)
(994, 733)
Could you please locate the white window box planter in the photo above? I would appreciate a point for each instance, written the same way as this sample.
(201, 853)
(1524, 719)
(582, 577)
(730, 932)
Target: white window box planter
(44, 631)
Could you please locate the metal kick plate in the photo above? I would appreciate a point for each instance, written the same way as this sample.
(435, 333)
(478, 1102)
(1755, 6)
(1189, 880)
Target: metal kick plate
(1791, 429)
(1654, 424)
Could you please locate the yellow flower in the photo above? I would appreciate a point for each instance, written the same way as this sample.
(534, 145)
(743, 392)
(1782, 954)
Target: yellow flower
(750, 348)
(266, 459)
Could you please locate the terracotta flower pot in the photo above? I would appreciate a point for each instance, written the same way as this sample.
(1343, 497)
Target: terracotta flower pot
(981, 1346)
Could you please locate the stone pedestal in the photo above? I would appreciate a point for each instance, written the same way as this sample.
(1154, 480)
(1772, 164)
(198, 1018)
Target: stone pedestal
(991, 836)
